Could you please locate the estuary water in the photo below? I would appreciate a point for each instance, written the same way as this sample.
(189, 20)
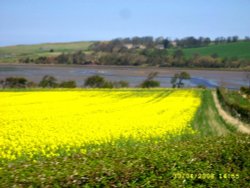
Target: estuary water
(134, 75)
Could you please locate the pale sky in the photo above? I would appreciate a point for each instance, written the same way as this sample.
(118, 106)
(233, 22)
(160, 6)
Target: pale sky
(39, 21)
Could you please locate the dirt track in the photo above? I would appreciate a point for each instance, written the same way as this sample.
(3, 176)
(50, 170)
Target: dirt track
(241, 127)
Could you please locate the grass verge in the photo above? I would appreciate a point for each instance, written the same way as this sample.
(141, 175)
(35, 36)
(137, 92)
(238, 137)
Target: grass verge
(207, 119)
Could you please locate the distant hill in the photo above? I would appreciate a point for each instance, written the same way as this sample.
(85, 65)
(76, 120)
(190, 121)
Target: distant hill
(240, 50)
(11, 54)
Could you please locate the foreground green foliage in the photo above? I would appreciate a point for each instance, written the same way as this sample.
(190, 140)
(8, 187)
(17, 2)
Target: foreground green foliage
(235, 103)
(134, 164)
(246, 91)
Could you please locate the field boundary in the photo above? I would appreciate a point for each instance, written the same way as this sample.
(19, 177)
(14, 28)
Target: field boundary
(241, 127)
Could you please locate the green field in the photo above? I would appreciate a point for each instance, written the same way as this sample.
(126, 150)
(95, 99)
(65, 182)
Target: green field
(11, 54)
(215, 156)
(240, 50)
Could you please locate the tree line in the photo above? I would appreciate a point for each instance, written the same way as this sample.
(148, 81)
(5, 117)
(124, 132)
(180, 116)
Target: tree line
(148, 51)
(94, 81)
(150, 42)
(149, 57)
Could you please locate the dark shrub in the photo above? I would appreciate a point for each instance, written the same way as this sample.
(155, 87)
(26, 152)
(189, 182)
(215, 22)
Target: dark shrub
(95, 81)
(31, 84)
(108, 84)
(150, 83)
(232, 107)
(201, 86)
(121, 84)
(48, 81)
(68, 84)
(15, 82)
(245, 90)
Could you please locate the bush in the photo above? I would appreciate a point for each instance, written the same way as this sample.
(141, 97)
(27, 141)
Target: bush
(94, 81)
(108, 84)
(234, 108)
(48, 81)
(201, 86)
(245, 90)
(176, 81)
(150, 83)
(97, 82)
(14, 82)
(31, 84)
(120, 84)
(68, 84)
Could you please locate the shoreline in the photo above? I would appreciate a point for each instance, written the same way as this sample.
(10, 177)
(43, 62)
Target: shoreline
(120, 67)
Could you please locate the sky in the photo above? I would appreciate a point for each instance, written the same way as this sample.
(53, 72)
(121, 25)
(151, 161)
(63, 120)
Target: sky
(40, 21)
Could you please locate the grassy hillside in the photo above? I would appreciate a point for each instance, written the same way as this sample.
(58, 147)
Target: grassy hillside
(238, 49)
(11, 54)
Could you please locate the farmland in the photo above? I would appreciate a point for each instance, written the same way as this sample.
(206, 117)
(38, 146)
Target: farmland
(118, 137)
(11, 54)
(90, 117)
(232, 50)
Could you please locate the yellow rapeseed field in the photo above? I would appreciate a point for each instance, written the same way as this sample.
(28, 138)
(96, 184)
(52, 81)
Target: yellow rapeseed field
(45, 123)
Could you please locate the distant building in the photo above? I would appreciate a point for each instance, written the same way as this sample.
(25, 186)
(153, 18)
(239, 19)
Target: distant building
(159, 46)
(131, 46)
(128, 46)
(139, 46)
(173, 43)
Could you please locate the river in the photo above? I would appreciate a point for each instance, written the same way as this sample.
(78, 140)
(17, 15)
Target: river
(134, 75)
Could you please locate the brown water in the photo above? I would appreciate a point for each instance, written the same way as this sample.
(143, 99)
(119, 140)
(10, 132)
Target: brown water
(134, 75)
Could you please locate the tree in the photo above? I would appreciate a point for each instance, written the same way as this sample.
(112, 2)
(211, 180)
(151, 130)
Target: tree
(247, 38)
(135, 40)
(178, 54)
(48, 81)
(95, 82)
(14, 82)
(62, 58)
(78, 57)
(31, 84)
(235, 38)
(176, 81)
(166, 43)
(159, 40)
(2, 83)
(42, 60)
(68, 84)
(120, 84)
(247, 77)
(149, 82)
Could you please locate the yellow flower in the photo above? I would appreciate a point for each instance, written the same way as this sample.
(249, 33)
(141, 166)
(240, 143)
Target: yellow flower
(47, 122)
